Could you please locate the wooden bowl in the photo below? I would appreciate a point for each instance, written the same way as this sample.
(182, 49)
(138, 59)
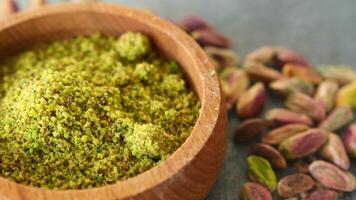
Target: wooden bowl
(189, 172)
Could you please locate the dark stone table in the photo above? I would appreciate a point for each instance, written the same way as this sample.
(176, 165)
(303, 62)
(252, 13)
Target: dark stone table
(323, 30)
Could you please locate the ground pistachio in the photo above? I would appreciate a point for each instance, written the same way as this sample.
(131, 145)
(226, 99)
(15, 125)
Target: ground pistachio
(90, 111)
(262, 172)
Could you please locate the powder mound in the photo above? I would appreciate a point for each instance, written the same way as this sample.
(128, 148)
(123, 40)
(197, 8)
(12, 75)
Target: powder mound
(90, 111)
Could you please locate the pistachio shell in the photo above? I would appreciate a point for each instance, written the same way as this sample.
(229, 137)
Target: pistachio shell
(304, 104)
(335, 152)
(262, 172)
(251, 101)
(332, 177)
(347, 95)
(294, 184)
(270, 153)
(282, 116)
(338, 118)
(278, 135)
(254, 191)
(303, 144)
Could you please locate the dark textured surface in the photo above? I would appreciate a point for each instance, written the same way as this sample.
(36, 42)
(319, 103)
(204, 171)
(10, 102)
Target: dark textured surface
(323, 30)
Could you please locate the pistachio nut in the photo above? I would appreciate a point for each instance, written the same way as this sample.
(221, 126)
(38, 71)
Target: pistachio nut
(347, 95)
(278, 135)
(335, 152)
(259, 72)
(270, 153)
(350, 140)
(286, 86)
(207, 37)
(262, 172)
(303, 144)
(326, 93)
(341, 74)
(332, 177)
(322, 195)
(7, 8)
(192, 23)
(222, 57)
(251, 101)
(282, 116)
(233, 82)
(338, 118)
(254, 191)
(302, 103)
(294, 184)
(288, 56)
(308, 74)
(277, 57)
(250, 128)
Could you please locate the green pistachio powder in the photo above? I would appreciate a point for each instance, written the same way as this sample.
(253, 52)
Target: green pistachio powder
(90, 111)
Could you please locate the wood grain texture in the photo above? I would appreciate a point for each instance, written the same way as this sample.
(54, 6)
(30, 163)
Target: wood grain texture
(190, 172)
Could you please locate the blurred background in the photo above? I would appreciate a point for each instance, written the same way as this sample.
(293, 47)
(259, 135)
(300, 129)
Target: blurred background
(323, 30)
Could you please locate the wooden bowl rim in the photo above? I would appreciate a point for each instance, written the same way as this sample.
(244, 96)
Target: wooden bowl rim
(210, 101)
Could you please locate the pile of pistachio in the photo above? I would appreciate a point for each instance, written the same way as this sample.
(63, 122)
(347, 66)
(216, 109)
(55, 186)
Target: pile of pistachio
(303, 133)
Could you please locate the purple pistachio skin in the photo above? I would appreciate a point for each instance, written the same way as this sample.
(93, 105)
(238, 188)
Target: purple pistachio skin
(294, 184)
(259, 72)
(250, 128)
(277, 57)
(326, 93)
(350, 140)
(303, 144)
(338, 118)
(322, 195)
(207, 37)
(254, 191)
(278, 135)
(332, 177)
(269, 153)
(251, 101)
(281, 116)
(302, 103)
(192, 23)
(335, 152)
